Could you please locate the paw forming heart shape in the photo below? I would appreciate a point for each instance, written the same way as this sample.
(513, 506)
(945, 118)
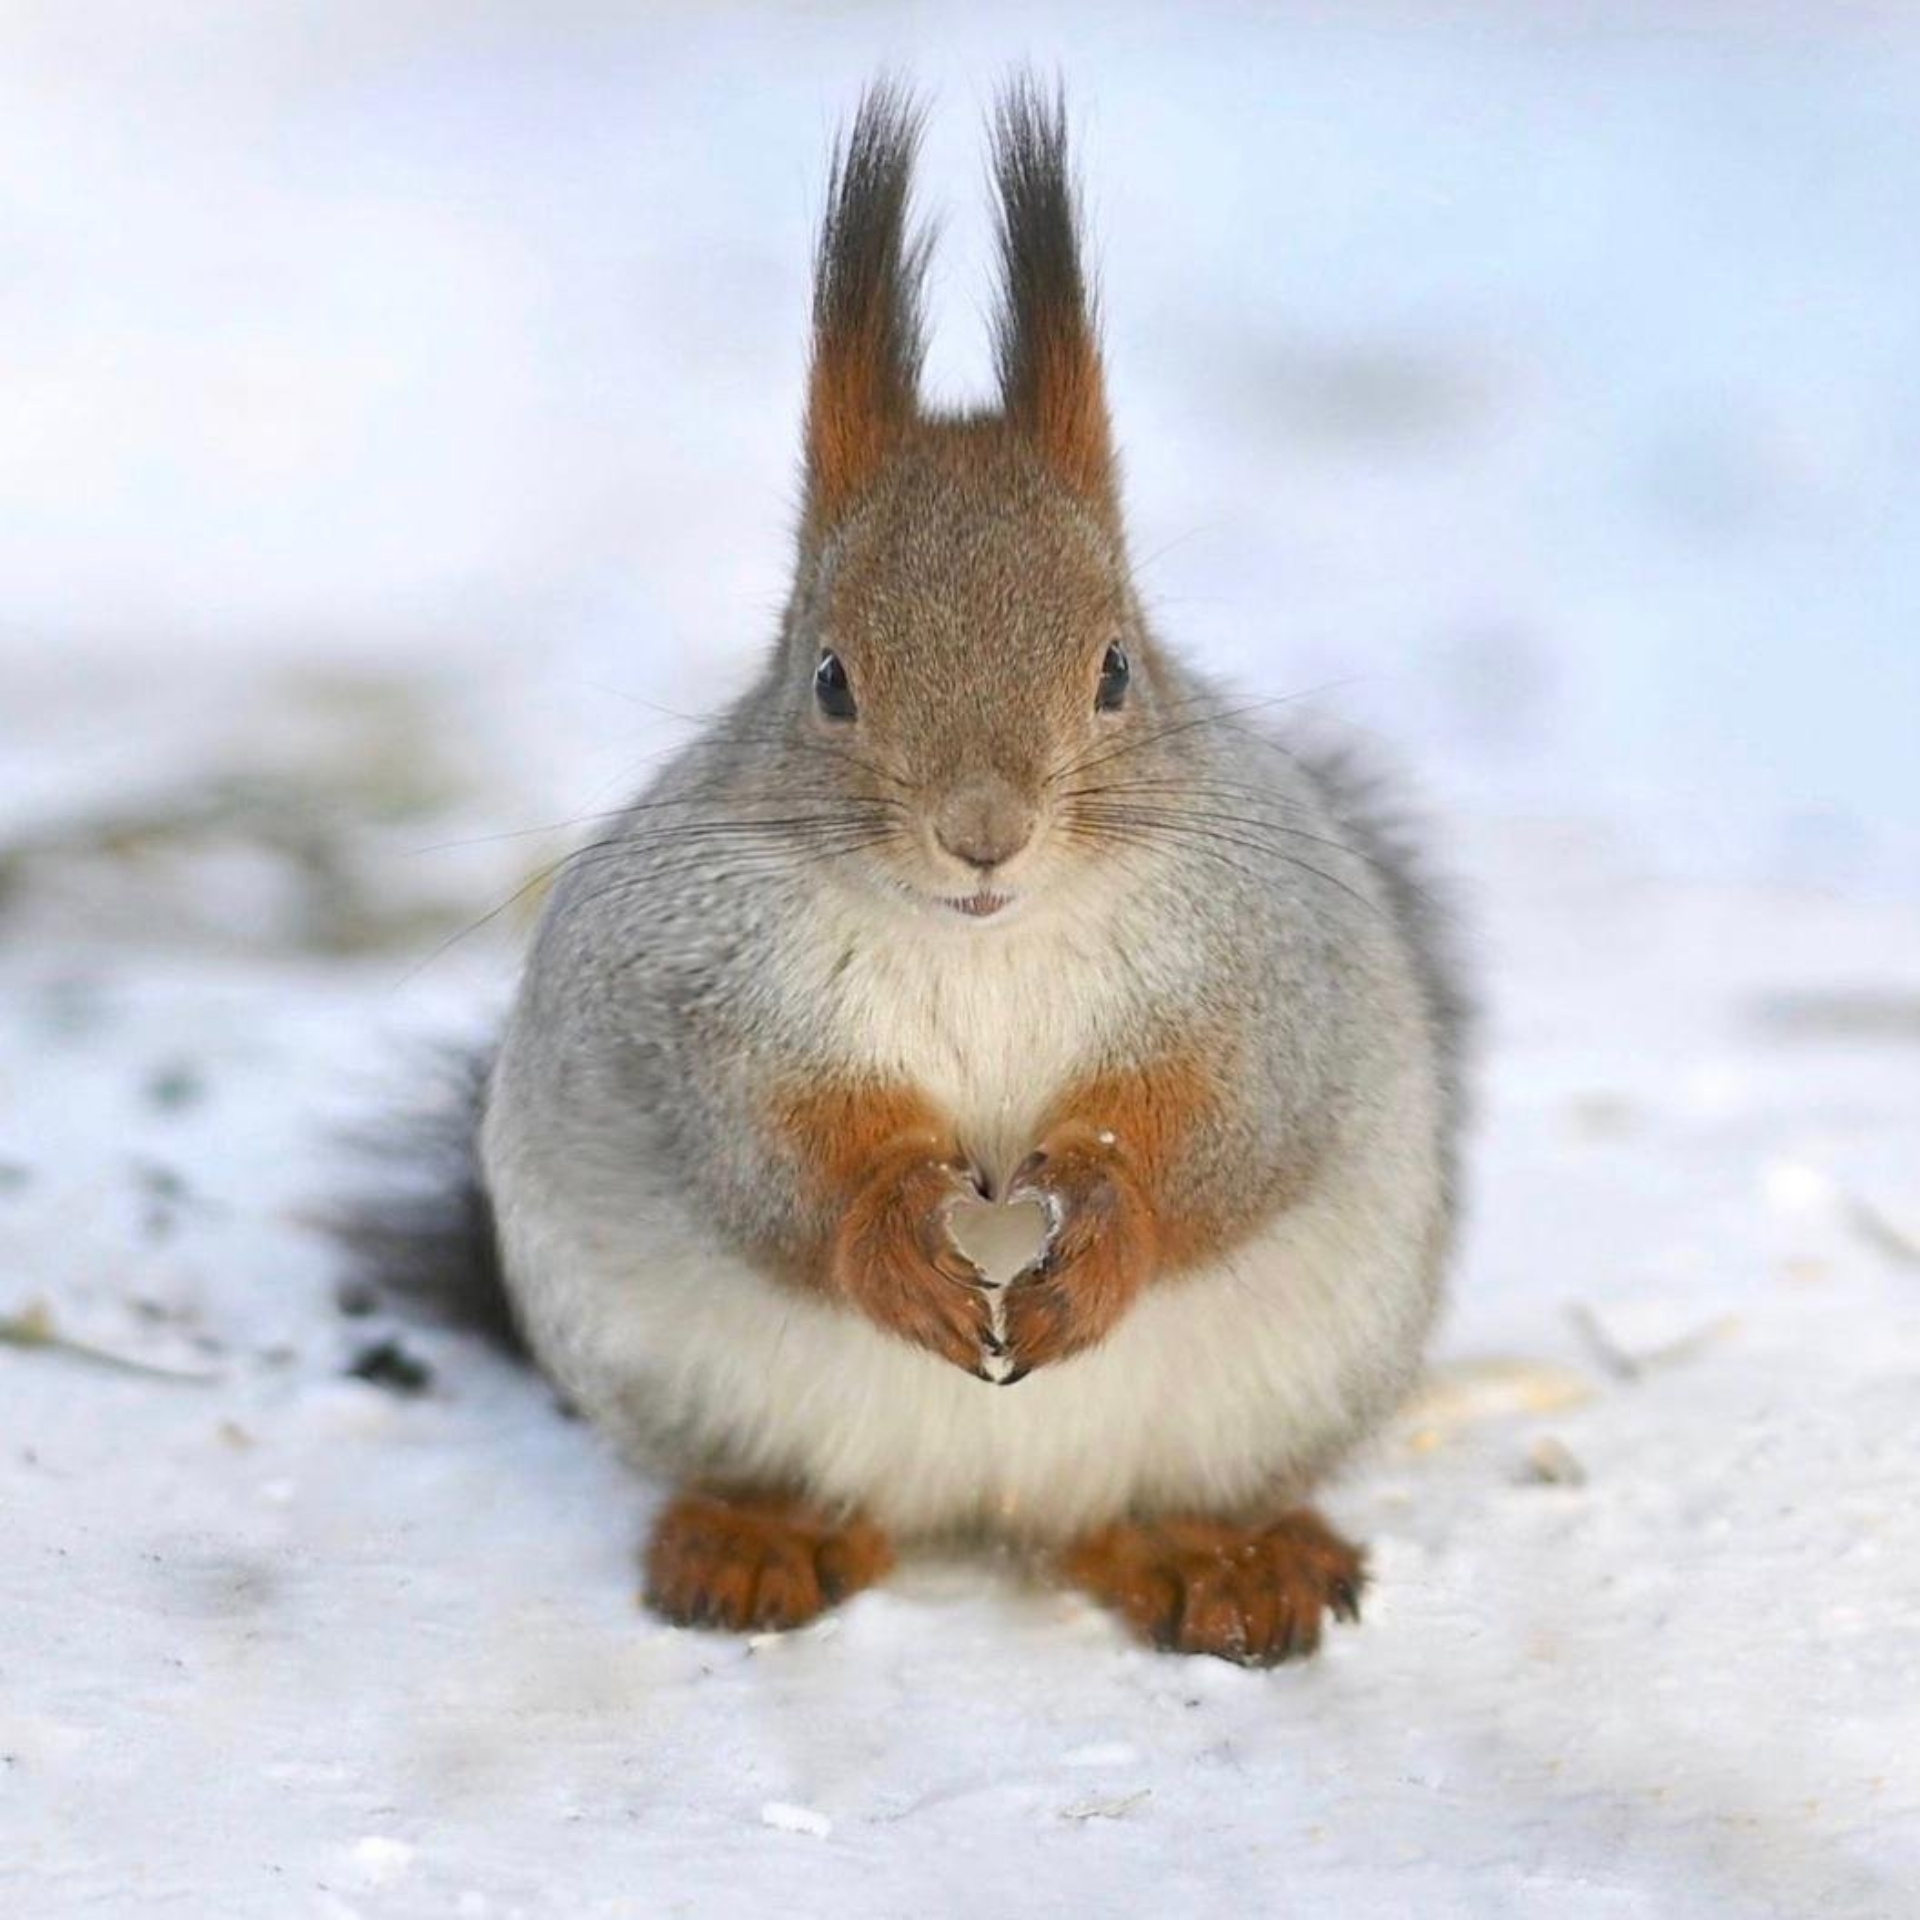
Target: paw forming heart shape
(1003, 1239)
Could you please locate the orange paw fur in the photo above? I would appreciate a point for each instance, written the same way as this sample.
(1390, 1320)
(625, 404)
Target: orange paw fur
(1255, 1595)
(894, 1258)
(1100, 1257)
(754, 1563)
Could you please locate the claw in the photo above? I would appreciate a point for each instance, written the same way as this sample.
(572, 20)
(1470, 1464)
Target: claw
(951, 1264)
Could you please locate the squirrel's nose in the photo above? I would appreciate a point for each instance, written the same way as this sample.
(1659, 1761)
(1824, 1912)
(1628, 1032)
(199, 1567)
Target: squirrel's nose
(984, 822)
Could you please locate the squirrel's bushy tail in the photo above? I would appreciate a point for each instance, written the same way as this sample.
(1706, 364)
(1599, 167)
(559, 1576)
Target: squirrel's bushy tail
(421, 1237)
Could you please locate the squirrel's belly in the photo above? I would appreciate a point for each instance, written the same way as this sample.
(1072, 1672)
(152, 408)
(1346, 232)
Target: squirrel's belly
(1219, 1389)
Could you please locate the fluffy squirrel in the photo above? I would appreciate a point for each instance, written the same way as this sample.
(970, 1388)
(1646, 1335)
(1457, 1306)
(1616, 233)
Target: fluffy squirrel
(980, 893)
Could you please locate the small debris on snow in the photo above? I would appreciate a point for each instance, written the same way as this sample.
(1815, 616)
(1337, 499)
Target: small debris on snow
(33, 1328)
(1551, 1463)
(1811, 1196)
(1468, 1392)
(1611, 1355)
(1625, 1365)
(1107, 1809)
(175, 1085)
(787, 1818)
(1881, 1234)
(386, 1363)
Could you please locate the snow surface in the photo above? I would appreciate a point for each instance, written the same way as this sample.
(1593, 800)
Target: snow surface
(398, 431)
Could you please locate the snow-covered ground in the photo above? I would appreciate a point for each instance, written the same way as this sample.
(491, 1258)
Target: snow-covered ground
(395, 433)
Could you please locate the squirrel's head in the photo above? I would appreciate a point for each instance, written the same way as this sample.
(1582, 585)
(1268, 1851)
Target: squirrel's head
(964, 640)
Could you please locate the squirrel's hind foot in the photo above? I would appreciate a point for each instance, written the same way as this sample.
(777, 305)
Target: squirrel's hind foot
(756, 1562)
(1255, 1595)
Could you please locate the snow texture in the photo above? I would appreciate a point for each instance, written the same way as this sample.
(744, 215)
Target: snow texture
(399, 419)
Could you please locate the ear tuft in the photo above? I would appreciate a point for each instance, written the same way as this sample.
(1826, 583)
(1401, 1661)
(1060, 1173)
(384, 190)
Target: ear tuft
(867, 329)
(1046, 340)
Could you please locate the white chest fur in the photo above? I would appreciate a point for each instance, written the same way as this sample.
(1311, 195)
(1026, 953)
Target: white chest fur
(991, 1022)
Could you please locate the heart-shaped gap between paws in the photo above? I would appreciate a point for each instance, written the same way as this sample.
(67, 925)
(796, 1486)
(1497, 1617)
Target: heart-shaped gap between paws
(1001, 1238)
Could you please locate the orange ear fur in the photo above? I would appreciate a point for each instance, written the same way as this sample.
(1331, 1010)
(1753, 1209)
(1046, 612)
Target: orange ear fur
(867, 335)
(1046, 339)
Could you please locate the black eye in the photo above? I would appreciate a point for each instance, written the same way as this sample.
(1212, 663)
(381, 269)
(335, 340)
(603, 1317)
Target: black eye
(833, 689)
(1113, 679)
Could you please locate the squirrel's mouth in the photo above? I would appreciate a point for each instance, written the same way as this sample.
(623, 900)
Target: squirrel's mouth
(979, 906)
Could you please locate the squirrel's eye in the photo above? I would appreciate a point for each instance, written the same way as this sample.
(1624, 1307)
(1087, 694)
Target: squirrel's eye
(1113, 679)
(833, 689)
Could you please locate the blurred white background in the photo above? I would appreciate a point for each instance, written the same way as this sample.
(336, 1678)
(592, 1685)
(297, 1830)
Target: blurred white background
(1537, 383)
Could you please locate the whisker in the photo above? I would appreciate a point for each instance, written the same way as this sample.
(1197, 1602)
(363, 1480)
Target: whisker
(1174, 816)
(1109, 838)
(642, 806)
(1167, 792)
(753, 865)
(1222, 718)
(784, 834)
(1209, 840)
(1158, 734)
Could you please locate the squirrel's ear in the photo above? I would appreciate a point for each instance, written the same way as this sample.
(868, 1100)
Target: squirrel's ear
(867, 332)
(1046, 340)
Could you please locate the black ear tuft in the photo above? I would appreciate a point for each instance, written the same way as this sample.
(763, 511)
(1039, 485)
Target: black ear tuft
(867, 326)
(1046, 341)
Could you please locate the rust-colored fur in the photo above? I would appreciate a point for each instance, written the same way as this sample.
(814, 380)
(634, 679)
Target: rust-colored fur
(1100, 1256)
(882, 1169)
(1143, 1119)
(1252, 1594)
(868, 335)
(862, 395)
(755, 1562)
(894, 1259)
(1046, 339)
(1112, 1158)
(838, 1131)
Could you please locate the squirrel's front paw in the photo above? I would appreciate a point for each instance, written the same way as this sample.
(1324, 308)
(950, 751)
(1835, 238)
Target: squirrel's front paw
(1098, 1256)
(895, 1259)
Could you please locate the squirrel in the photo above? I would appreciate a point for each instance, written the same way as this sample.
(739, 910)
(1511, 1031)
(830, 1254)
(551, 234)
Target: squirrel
(981, 895)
